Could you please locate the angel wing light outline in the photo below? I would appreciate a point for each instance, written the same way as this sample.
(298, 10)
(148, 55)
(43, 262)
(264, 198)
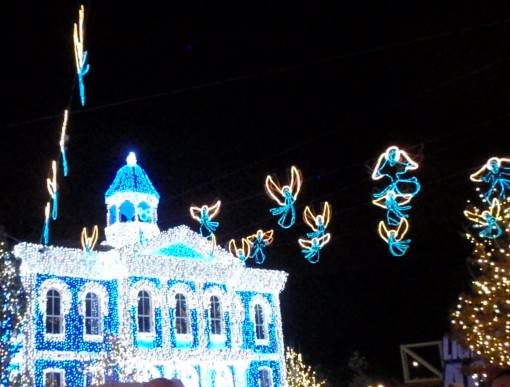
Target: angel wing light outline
(496, 172)
(242, 252)
(80, 56)
(394, 237)
(204, 214)
(317, 222)
(285, 196)
(488, 220)
(258, 242)
(88, 242)
(311, 247)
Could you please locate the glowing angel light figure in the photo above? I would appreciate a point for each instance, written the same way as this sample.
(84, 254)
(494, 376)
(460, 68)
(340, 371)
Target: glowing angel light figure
(393, 164)
(317, 223)
(82, 66)
(488, 220)
(311, 247)
(46, 232)
(395, 205)
(204, 215)
(497, 174)
(62, 143)
(258, 242)
(285, 196)
(88, 242)
(243, 252)
(52, 189)
(394, 237)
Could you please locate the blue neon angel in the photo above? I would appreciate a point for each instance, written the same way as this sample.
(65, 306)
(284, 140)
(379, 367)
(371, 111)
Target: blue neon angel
(285, 196)
(242, 252)
(393, 164)
(311, 247)
(258, 242)
(489, 220)
(82, 66)
(395, 206)
(395, 237)
(319, 222)
(204, 215)
(496, 172)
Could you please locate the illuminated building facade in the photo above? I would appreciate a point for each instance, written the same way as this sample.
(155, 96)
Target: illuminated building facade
(177, 304)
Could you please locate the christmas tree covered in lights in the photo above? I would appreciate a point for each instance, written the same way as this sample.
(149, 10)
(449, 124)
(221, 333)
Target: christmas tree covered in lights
(481, 319)
(12, 310)
(298, 373)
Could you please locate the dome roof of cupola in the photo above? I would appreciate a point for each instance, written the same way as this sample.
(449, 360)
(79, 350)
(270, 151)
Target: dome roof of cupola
(131, 178)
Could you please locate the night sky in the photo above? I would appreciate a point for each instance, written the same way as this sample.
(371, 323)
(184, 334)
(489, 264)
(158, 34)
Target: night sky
(214, 96)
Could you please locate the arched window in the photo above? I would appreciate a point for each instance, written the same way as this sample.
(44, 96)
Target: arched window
(216, 316)
(144, 312)
(92, 314)
(260, 323)
(181, 315)
(265, 377)
(127, 212)
(53, 312)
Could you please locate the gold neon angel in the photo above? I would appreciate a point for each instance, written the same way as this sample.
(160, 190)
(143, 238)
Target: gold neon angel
(62, 143)
(488, 220)
(311, 247)
(285, 196)
(319, 222)
(395, 205)
(394, 237)
(243, 252)
(496, 172)
(88, 242)
(80, 56)
(46, 231)
(258, 242)
(204, 214)
(52, 189)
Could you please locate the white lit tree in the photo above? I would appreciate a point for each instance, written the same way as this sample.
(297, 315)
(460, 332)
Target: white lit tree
(12, 310)
(298, 373)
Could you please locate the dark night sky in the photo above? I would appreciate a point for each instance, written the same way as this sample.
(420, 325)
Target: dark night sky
(215, 96)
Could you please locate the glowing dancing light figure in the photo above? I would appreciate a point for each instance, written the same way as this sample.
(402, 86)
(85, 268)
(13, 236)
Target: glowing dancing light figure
(285, 196)
(242, 252)
(319, 222)
(88, 242)
(497, 174)
(82, 66)
(204, 215)
(258, 242)
(312, 247)
(488, 220)
(395, 205)
(394, 237)
(52, 189)
(392, 164)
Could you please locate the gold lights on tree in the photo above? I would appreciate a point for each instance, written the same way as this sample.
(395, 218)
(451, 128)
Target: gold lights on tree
(481, 319)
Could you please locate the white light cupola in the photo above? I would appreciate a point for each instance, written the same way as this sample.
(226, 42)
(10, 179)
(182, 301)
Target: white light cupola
(132, 204)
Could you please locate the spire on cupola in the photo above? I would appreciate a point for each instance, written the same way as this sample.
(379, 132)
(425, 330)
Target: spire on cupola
(132, 203)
